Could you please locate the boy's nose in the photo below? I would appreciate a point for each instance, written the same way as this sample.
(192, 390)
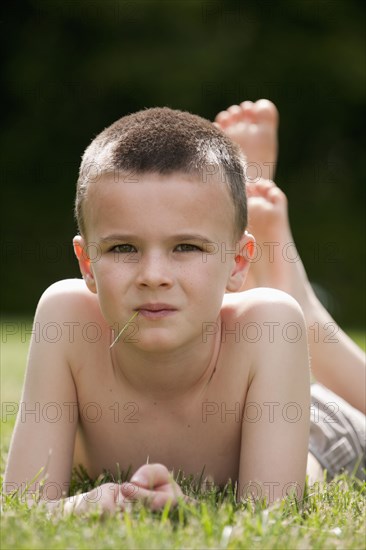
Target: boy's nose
(154, 272)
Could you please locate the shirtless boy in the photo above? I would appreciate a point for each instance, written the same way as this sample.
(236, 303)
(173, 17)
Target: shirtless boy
(199, 378)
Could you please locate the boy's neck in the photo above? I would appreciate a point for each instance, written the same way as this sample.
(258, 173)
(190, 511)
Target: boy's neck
(166, 376)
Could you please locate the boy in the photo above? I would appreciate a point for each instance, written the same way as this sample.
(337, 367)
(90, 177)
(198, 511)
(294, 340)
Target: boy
(201, 379)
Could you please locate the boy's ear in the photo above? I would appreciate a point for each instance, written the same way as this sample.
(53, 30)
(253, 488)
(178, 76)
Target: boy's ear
(84, 262)
(245, 252)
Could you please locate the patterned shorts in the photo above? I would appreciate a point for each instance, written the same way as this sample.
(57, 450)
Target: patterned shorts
(337, 434)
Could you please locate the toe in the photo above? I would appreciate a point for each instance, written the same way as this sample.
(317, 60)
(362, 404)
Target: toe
(247, 109)
(266, 111)
(235, 112)
(260, 188)
(265, 185)
(223, 119)
(276, 196)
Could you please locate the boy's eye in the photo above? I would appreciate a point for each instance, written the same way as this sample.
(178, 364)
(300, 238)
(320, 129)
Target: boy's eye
(123, 249)
(188, 248)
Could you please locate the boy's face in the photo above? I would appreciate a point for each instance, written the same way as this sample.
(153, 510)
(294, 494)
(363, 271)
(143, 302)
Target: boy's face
(164, 242)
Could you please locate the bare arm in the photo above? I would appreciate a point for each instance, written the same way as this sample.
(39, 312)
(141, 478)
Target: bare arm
(44, 435)
(275, 428)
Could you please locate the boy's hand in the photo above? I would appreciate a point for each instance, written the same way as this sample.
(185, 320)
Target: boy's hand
(154, 485)
(106, 498)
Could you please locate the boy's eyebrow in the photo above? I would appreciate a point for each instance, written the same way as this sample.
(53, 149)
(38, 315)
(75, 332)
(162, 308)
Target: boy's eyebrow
(191, 237)
(182, 237)
(116, 237)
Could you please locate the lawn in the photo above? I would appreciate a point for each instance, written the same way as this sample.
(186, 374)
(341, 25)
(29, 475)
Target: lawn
(330, 516)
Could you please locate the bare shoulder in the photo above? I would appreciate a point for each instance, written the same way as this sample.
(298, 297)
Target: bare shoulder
(258, 303)
(68, 320)
(66, 287)
(270, 325)
(69, 297)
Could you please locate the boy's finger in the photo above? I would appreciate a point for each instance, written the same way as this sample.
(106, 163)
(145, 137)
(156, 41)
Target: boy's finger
(151, 475)
(154, 499)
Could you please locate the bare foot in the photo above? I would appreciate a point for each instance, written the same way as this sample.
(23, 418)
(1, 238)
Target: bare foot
(336, 361)
(276, 263)
(253, 126)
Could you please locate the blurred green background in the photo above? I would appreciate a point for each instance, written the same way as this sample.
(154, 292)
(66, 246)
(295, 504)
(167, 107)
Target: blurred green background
(73, 67)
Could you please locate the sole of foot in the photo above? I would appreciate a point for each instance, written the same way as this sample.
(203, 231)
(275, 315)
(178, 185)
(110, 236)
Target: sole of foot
(253, 126)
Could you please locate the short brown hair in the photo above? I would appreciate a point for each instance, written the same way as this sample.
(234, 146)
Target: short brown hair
(163, 140)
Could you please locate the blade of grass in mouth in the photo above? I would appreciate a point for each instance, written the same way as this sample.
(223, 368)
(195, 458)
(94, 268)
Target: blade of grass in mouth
(124, 328)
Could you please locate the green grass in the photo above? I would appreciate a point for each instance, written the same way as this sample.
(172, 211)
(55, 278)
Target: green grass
(330, 516)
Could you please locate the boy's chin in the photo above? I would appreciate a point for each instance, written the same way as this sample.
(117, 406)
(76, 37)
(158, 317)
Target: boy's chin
(156, 346)
(159, 343)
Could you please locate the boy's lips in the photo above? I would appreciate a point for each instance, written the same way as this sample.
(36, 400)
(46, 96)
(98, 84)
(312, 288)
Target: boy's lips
(156, 311)
(155, 307)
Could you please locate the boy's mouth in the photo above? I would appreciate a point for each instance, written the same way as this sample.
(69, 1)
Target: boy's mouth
(155, 311)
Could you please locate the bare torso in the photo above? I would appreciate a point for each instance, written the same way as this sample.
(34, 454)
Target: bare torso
(119, 429)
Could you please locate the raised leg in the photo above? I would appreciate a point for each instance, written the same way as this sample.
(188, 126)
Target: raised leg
(336, 361)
